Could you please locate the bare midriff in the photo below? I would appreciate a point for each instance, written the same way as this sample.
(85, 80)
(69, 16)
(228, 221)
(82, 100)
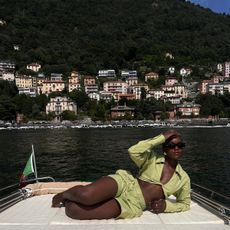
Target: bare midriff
(151, 192)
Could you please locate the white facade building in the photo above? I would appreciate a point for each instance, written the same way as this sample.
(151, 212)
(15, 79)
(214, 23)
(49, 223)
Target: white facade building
(107, 73)
(115, 86)
(32, 92)
(218, 88)
(34, 67)
(7, 76)
(128, 73)
(7, 66)
(61, 104)
(155, 93)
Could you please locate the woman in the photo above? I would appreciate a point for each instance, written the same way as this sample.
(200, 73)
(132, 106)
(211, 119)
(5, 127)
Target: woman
(123, 196)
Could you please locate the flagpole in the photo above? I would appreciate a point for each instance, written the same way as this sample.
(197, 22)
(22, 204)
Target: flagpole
(35, 167)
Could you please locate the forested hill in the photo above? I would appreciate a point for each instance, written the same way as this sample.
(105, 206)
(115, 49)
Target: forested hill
(94, 34)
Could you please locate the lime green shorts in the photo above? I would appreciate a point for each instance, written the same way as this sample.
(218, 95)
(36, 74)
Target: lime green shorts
(129, 195)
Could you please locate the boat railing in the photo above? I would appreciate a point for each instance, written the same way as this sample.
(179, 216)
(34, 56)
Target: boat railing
(213, 201)
(12, 194)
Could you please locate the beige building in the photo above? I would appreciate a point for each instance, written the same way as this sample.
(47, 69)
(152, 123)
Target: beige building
(49, 86)
(89, 80)
(151, 76)
(74, 81)
(136, 90)
(175, 90)
(60, 104)
(24, 81)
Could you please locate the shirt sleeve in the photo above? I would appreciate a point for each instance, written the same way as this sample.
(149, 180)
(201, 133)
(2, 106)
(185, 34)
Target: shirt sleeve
(183, 199)
(139, 152)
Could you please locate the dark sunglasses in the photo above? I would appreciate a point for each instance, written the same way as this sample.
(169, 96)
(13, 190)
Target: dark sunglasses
(180, 145)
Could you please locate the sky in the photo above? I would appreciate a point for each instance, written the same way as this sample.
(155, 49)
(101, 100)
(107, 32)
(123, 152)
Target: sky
(218, 6)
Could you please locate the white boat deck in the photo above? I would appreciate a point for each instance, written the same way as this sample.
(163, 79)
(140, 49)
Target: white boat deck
(35, 213)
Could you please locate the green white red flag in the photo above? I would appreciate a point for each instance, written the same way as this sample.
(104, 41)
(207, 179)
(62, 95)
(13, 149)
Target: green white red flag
(29, 171)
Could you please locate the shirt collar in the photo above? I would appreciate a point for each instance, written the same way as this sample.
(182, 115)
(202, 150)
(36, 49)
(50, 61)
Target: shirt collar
(161, 160)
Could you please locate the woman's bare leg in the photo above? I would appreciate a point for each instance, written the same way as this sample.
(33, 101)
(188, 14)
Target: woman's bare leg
(107, 210)
(102, 190)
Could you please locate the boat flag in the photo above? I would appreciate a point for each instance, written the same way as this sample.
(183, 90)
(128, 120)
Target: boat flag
(30, 170)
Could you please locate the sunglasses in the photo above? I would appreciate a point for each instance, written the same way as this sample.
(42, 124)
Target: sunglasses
(180, 145)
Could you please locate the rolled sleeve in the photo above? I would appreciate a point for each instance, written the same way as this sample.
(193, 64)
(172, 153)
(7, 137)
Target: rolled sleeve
(183, 199)
(139, 153)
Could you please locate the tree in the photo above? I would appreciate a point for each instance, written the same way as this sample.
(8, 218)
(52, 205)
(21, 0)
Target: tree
(68, 115)
(80, 97)
(7, 109)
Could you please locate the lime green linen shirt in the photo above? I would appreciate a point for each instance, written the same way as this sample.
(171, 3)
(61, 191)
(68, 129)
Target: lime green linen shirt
(151, 166)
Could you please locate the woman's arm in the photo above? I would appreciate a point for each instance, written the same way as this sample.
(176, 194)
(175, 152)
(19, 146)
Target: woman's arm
(183, 199)
(139, 153)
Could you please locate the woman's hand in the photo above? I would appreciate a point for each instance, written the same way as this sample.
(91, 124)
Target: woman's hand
(57, 201)
(157, 206)
(169, 133)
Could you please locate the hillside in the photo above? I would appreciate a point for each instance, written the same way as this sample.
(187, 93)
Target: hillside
(94, 34)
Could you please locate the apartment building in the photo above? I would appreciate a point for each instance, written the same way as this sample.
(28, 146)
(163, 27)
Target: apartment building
(74, 81)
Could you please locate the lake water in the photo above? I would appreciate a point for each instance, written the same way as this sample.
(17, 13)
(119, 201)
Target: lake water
(87, 154)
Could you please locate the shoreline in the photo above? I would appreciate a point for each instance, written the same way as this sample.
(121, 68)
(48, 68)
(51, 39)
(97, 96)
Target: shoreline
(117, 124)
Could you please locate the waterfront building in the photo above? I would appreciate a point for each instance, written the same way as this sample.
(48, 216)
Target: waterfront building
(34, 67)
(58, 105)
(188, 109)
(122, 111)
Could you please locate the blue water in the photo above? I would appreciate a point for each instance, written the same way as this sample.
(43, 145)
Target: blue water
(87, 154)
